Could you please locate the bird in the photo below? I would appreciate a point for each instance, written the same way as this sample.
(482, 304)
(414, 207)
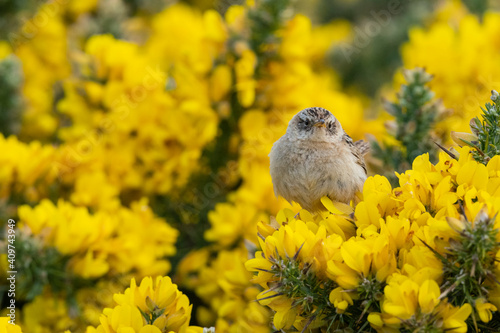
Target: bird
(316, 158)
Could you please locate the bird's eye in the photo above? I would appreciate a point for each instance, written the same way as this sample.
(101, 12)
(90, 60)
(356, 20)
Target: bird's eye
(330, 126)
(306, 122)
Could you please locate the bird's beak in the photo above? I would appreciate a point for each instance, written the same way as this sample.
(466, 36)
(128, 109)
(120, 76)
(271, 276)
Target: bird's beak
(320, 123)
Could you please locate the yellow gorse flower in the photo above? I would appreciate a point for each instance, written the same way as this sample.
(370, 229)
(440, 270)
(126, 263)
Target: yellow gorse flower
(395, 260)
(42, 69)
(118, 240)
(26, 168)
(152, 306)
(127, 123)
(160, 133)
(231, 297)
(459, 78)
(485, 309)
(6, 327)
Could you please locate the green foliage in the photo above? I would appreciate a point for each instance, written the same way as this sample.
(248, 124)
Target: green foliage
(265, 18)
(39, 266)
(109, 18)
(420, 323)
(487, 131)
(11, 78)
(380, 27)
(469, 262)
(144, 6)
(310, 296)
(415, 113)
(370, 289)
(154, 311)
(477, 7)
(11, 12)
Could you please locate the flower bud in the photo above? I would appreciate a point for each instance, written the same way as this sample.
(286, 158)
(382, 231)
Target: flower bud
(391, 108)
(150, 304)
(494, 95)
(474, 125)
(461, 138)
(456, 224)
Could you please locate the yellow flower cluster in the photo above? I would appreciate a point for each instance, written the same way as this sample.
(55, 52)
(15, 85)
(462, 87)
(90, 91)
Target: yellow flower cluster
(6, 327)
(388, 258)
(120, 123)
(132, 120)
(295, 80)
(118, 241)
(154, 306)
(47, 313)
(41, 69)
(144, 135)
(26, 168)
(31, 170)
(462, 75)
(50, 312)
(138, 115)
(231, 298)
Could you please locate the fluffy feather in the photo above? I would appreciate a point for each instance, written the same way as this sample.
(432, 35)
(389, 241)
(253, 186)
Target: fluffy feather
(316, 158)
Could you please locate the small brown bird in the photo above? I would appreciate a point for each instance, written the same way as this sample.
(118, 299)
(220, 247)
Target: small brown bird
(315, 158)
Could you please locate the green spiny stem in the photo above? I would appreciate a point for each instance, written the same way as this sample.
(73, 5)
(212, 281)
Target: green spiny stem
(487, 131)
(414, 113)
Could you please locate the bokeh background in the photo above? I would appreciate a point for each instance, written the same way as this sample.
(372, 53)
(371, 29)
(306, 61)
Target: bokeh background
(135, 134)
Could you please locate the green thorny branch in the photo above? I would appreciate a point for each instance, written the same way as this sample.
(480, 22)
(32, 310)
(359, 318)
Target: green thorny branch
(265, 19)
(43, 266)
(310, 296)
(415, 113)
(11, 79)
(485, 137)
(469, 264)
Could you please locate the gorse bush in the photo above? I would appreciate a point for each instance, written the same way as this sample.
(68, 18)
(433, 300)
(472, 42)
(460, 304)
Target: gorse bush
(417, 257)
(134, 162)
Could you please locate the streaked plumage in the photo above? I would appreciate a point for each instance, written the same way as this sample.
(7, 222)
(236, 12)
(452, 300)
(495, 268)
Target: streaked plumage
(316, 158)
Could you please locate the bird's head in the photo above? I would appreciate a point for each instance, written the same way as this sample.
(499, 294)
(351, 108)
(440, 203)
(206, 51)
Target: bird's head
(315, 124)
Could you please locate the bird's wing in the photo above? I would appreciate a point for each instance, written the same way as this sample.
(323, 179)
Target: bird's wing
(358, 149)
(363, 147)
